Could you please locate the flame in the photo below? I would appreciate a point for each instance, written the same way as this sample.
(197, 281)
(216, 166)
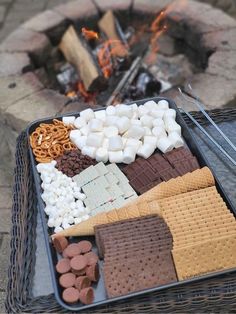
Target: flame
(71, 94)
(89, 34)
(157, 28)
(111, 47)
(86, 95)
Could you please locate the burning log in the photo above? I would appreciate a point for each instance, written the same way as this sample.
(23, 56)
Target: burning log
(77, 52)
(108, 25)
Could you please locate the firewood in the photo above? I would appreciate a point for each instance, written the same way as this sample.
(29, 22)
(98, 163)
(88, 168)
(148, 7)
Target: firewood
(107, 25)
(77, 52)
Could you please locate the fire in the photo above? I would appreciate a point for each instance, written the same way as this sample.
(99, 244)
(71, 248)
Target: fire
(71, 94)
(86, 95)
(157, 28)
(110, 48)
(89, 34)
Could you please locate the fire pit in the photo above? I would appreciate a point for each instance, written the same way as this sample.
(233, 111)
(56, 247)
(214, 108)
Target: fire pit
(88, 53)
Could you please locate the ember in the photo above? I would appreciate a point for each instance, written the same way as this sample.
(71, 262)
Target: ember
(88, 34)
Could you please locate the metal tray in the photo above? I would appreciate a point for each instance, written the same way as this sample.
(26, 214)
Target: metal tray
(99, 289)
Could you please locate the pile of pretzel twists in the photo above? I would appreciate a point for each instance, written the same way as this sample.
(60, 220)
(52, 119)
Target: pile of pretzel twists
(50, 141)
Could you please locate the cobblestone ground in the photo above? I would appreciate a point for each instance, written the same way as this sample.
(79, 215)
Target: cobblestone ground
(12, 14)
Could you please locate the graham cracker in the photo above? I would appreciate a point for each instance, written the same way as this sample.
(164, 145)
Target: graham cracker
(205, 257)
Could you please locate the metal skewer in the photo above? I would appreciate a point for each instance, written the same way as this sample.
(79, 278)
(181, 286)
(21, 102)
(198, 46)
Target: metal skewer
(209, 137)
(196, 101)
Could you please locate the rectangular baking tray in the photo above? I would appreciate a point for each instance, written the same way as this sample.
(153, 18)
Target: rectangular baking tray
(99, 289)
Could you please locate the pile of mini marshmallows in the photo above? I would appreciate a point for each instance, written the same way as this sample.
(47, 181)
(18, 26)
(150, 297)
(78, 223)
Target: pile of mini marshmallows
(121, 132)
(63, 198)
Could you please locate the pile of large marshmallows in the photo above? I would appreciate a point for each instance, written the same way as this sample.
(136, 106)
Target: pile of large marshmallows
(119, 133)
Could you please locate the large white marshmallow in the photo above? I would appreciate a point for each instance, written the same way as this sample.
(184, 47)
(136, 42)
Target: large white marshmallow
(123, 124)
(159, 132)
(89, 151)
(95, 125)
(87, 114)
(146, 150)
(134, 143)
(68, 120)
(150, 105)
(173, 126)
(129, 155)
(95, 139)
(157, 113)
(169, 113)
(105, 143)
(100, 114)
(80, 142)
(102, 155)
(158, 122)
(124, 111)
(150, 140)
(111, 111)
(148, 131)
(146, 120)
(135, 122)
(79, 122)
(142, 110)
(163, 104)
(110, 131)
(110, 120)
(135, 131)
(115, 143)
(176, 139)
(74, 134)
(116, 157)
(164, 145)
(85, 130)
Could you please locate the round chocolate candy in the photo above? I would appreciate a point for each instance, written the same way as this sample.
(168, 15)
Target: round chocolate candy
(72, 250)
(85, 246)
(87, 295)
(78, 263)
(63, 266)
(82, 282)
(67, 280)
(93, 272)
(92, 258)
(70, 295)
(60, 243)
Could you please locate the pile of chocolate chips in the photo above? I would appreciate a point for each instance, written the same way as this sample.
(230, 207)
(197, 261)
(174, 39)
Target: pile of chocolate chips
(73, 162)
(78, 268)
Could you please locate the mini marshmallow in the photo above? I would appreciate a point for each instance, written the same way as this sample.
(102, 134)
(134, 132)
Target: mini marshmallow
(111, 111)
(135, 122)
(115, 143)
(158, 122)
(58, 229)
(147, 131)
(85, 130)
(87, 114)
(129, 155)
(146, 150)
(150, 105)
(159, 132)
(79, 122)
(110, 120)
(164, 145)
(135, 132)
(68, 120)
(157, 113)
(169, 113)
(150, 140)
(95, 125)
(100, 114)
(124, 111)
(116, 157)
(122, 124)
(142, 110)
(146, 120)
(175, 139)
(173, 126)
(163, 104)
(80, 142)
(102, 155)
(74, 134)
(110, 131)
(94, 140)
(89, 151)
(134, 143)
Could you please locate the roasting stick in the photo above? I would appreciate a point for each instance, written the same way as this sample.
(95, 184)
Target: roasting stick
(209, 137)
(199, 104)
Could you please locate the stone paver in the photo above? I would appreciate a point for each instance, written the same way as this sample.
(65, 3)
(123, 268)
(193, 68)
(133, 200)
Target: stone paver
(5, 221)
(4, 262)
(5, 197)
